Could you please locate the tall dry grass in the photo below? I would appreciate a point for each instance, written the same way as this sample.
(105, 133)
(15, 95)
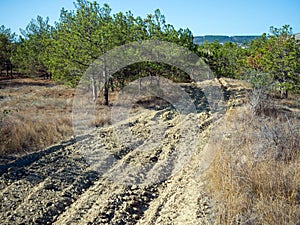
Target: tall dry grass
(23, 133)
(34, 114)
(255, 177)
(37, 113)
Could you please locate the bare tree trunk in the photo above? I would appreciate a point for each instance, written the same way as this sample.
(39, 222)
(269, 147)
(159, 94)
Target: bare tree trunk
(286, 94)
(150, 77)
(111, 81)
(11, 74)
(7, 68)
(94, 87)
(106, 102)
(104, 74)
(140, 85)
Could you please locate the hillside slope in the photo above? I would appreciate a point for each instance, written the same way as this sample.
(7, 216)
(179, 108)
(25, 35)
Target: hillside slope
(223, 39)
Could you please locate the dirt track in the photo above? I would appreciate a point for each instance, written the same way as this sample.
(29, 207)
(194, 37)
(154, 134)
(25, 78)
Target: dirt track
(59, 186)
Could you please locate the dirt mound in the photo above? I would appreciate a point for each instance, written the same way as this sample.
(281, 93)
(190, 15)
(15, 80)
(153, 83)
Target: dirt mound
(98, 179)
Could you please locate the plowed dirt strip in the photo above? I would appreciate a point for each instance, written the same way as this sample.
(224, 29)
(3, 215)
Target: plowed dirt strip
(112, 178)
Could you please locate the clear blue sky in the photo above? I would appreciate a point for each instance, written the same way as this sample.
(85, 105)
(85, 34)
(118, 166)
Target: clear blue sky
(237, 17)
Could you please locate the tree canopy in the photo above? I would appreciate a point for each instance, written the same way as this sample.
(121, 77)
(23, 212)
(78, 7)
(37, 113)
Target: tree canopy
(66, 49)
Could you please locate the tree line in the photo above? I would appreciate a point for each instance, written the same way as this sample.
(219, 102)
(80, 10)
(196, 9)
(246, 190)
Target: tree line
(65, 50)
(271, 61)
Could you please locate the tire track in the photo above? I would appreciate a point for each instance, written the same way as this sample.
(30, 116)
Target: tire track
(47, 176)
(94, 179)
(54, 189)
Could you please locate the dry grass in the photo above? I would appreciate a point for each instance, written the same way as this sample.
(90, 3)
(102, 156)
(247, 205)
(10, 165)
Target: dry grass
(255, 178)
(35, 114)
(22, 133)
(102, 117)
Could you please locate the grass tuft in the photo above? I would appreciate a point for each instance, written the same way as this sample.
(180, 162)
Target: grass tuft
(255, 178)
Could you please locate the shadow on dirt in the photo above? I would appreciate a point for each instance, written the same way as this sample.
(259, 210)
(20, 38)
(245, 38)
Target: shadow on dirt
(195, 93)
(19, 81)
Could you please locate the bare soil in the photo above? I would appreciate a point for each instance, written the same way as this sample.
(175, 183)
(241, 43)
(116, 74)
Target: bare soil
(61, 184)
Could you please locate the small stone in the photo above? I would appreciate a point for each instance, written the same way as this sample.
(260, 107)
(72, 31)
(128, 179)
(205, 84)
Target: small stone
(134, 187)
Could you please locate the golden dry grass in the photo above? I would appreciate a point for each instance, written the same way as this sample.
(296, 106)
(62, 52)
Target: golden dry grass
(35, 114)
(255, 178)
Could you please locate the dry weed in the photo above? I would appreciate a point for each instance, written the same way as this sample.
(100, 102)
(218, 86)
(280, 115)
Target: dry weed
(22, 133)
(37, 113)
(34, 114)
(255, 178)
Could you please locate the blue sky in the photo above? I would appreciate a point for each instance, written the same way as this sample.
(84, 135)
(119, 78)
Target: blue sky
(222, 17)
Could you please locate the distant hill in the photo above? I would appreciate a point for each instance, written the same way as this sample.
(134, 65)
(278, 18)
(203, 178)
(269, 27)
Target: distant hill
(223, 39)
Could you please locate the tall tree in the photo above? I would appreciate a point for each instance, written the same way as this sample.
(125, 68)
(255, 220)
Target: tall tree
(277, 57)
(30, 55)
(81, 37)
(7, 39)
(225, 60)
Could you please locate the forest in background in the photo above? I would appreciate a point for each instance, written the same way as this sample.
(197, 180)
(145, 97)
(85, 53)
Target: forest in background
(65, 50)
